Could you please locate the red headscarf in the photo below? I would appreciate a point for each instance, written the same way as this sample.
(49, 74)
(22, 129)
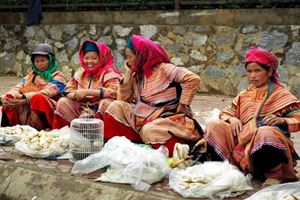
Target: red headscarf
(106, 60)
(262, 56)
(148, 54)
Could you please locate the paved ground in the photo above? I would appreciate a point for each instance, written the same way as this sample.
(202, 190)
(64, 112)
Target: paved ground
(22, 177)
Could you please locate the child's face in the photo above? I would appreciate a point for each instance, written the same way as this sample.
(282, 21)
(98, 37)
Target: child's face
(91, 58)
(41, 62)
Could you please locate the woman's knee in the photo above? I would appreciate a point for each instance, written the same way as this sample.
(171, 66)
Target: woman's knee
(103, 105)
(38, 98)
(63, 101)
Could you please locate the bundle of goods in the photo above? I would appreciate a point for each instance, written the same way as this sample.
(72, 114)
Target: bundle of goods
(44, 144)
(212, 179)
(10, 135)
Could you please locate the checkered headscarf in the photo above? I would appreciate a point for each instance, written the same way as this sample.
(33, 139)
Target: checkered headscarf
(262, 56)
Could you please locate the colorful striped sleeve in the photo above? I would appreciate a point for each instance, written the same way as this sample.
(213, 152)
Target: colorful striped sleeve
(15, 91)
(111, 82)
(230, 111)
(292, 117)
(189, 82)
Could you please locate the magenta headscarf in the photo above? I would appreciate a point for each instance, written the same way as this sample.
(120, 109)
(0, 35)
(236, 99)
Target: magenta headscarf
(262, 56)
(148, 54)
(106, 60)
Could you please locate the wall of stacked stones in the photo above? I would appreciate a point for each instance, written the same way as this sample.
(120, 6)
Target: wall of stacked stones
(213, 47)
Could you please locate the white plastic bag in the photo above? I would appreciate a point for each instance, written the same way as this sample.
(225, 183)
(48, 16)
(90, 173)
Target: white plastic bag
(15, 133)
(53, 149)
(58, 145)
(209, 180)
(129, 163)
(213, 115)
(286, 191)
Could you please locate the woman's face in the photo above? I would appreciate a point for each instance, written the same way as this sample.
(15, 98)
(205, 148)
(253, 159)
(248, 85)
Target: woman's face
(41, 62)
(91, 58)
(257, 75)
(131, 57)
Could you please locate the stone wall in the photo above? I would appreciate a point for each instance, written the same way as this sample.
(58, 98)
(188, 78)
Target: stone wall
(210, 43)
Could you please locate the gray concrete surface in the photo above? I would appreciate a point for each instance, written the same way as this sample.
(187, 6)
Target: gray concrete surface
(25, 178)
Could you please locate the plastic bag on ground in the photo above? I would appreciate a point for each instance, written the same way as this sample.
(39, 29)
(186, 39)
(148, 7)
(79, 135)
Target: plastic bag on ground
(15, 133)
(286, 191)
(213, 115)
(44, 144)
(129, 163)
(209, 180)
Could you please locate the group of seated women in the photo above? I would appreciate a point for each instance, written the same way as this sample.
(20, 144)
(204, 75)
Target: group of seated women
(150, 103)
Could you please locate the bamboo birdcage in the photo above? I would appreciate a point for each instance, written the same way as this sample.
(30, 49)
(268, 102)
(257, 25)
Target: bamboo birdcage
(86, 137)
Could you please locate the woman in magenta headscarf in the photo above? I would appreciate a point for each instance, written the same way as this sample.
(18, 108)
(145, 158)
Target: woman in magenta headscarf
(254, 132)
(93, 87)
(154, 98)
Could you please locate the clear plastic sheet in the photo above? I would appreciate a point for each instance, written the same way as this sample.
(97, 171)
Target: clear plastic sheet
(286, 191)
(128, 163)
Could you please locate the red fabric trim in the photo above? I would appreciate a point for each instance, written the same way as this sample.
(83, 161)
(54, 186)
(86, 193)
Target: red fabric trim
(11, 114)
(170, 143)
(114, 128)
(41, 104)
(59, 122)
(98, 116)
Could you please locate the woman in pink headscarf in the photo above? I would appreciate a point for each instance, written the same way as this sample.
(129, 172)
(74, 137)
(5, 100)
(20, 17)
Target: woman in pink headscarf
(154, 99)
(92, 88)
(254, 132)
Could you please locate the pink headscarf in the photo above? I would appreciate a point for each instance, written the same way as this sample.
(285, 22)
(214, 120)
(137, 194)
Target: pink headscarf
(267, 58)
(106, 60)
(149, 54)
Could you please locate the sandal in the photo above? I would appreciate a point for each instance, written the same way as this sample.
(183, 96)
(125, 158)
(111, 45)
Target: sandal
(270, 182)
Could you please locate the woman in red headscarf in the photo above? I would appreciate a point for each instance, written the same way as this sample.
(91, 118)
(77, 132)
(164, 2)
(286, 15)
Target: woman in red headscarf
(92, 88)
(154, 99)
(254, 132)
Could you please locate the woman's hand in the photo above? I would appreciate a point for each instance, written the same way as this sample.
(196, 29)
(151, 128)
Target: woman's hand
(3, 100)
(128, 72)
(182, 108)
(235, 125)
(81, 93)
(272, 120)
(71, 96)
(13, 103)
(128, 68)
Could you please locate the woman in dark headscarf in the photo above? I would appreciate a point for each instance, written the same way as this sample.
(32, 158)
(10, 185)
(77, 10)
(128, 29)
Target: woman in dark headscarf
(94, 85)
(254, 133)
(33, 101)
(154, 99)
